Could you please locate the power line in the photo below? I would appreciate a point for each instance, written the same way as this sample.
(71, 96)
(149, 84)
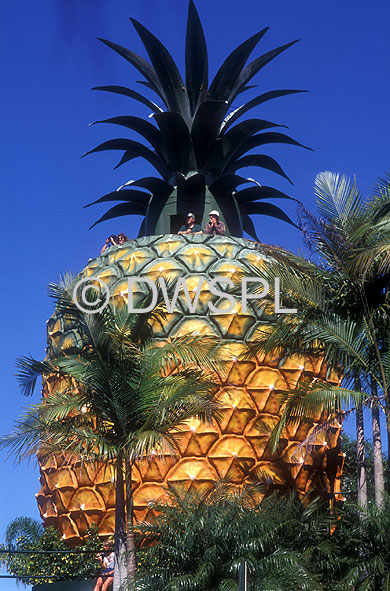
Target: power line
(31, 576)
(79, 552)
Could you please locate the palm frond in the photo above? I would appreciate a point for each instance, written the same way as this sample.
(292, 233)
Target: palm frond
(338, 199)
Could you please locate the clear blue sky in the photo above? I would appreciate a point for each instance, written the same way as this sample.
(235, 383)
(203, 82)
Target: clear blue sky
(49, 61)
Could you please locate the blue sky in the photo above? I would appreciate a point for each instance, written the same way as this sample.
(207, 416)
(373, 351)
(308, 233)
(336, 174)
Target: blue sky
(49, 61)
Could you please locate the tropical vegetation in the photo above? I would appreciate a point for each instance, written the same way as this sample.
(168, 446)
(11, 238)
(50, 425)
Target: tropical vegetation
(197, 136)
(120, 397)
(342, 314)
(198, 542)
(125, 398)
(50, 559)
(349, 480)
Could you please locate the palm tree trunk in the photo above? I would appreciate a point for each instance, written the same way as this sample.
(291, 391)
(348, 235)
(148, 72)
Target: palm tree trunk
(120, 528)
(361, 458)
(360, 451)
(131, 557)
(377, 448)
(387, 484)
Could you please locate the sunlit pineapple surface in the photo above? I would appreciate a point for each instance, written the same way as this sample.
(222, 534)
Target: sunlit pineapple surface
(198, 141)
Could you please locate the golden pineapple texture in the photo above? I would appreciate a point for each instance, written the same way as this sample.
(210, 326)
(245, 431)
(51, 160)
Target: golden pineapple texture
(73, 497)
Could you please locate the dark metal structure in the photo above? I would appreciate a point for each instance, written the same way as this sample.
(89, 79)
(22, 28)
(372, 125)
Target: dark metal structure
(196, 139)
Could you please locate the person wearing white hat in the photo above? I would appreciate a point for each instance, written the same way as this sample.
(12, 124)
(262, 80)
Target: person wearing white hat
(214, 226)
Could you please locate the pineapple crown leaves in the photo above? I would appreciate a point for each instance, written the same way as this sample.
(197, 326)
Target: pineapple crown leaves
(192, 141)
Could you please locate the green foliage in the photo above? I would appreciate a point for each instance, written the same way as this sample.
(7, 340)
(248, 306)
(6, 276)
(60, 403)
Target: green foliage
(130, 390)
(122, 396)
(362, 539)
(341, 314)
(25, 527)
(349, 481)
(198, 542)
(23, 536)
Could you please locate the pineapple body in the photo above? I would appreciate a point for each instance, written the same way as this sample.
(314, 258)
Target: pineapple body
(73, 496)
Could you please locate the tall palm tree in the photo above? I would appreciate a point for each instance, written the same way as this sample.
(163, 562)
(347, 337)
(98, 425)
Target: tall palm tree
(372, 262)
(123, 399)
(341, 312)
(362, 225)
(318, 332)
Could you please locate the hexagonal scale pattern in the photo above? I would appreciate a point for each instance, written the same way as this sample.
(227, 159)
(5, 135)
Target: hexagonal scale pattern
(72, 497)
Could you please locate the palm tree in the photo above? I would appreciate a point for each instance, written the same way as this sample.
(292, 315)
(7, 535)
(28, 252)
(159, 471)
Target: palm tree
(374, 256)
(358, 225)
(372, 262)
(26, 527)
(199, 541)
(317, 332)
(348, 444)
(341, 314)
(42, 555)
(123, 398)
(362, 535)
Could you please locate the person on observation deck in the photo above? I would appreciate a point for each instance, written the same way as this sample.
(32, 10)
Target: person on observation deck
(111, 241)
(122, 238)
(190, 227)
(214, 226)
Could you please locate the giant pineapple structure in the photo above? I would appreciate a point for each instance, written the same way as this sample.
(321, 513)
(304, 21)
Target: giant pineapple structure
(197, 152)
